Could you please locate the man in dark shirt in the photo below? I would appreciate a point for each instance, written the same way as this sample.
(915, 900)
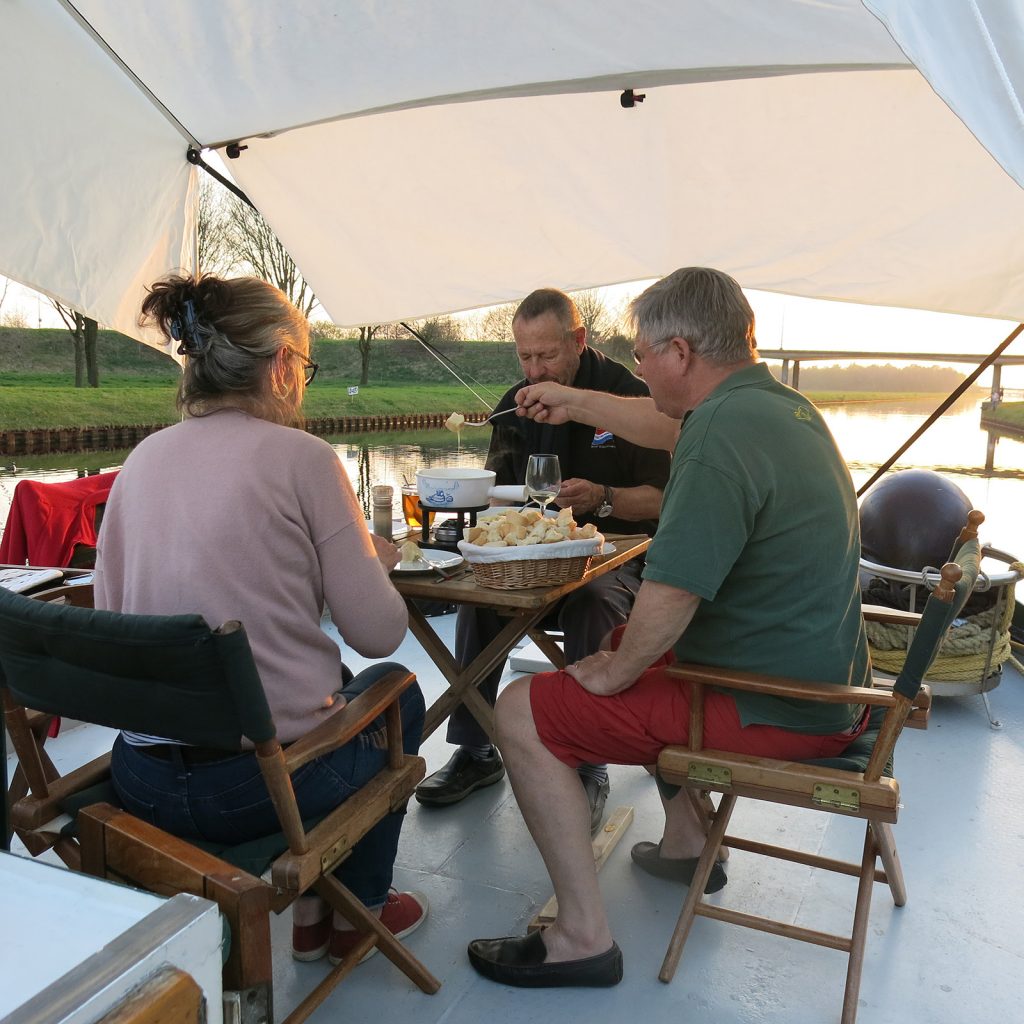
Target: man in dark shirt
(605, 479)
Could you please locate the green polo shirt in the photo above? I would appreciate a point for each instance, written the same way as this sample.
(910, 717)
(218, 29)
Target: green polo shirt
(759, 520)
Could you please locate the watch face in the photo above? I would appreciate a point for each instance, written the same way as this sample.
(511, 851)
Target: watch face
(604, 510)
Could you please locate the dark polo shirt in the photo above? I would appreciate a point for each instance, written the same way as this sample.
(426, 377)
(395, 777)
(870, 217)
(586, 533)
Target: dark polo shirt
(583, 452)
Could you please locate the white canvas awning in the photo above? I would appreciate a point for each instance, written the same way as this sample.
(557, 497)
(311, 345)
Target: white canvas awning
(424, 158)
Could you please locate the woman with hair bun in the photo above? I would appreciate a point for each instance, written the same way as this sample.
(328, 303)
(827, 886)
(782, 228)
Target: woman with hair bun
(234, 514)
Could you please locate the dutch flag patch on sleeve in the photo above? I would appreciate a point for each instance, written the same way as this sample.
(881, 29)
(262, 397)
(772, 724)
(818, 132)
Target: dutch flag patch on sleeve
(602, 438)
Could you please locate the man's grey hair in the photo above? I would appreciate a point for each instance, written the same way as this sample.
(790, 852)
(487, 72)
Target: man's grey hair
(704, 306)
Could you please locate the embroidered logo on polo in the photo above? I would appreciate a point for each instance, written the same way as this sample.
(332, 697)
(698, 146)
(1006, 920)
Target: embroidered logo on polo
(801, 413)
(603, 439)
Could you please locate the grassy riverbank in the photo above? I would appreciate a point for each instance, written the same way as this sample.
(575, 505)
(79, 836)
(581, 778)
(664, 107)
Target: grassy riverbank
(33, 405)
(40, 401)
(1008, 414)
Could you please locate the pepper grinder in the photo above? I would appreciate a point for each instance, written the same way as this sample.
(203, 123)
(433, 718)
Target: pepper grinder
(383, 498)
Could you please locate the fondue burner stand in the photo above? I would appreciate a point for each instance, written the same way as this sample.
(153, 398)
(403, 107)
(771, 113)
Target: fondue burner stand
(448, 534)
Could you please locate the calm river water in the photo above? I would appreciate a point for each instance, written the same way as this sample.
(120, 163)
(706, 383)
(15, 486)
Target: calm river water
(867, 433)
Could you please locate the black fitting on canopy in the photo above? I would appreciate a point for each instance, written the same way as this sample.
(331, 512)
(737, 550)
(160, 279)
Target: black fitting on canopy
(631, 99)
(195, 157)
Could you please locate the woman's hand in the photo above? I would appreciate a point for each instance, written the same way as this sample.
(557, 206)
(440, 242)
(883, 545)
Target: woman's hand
(388, 554)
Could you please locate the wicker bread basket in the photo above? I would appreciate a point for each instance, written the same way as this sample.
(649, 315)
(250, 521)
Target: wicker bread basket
(535, 565)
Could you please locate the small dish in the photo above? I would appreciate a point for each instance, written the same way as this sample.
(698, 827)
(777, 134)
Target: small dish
(435, 559)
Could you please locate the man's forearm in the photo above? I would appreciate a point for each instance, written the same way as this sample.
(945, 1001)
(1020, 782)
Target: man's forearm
(659, 617)
(635, 419)
(633, 503)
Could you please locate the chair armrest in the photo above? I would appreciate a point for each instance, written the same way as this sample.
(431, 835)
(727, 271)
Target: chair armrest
(32, 812)
(777, 686)
(896, 616)
(349, 722)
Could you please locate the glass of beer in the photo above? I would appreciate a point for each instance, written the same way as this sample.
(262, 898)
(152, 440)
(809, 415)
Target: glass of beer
(411, 509)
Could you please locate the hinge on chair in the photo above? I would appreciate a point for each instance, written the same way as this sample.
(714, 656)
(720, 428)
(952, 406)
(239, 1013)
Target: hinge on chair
(333, 855)
(836, 796)
(698, 771)
(248, 1006)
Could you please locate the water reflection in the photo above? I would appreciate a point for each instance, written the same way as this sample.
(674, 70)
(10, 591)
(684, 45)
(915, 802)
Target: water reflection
(866, 433)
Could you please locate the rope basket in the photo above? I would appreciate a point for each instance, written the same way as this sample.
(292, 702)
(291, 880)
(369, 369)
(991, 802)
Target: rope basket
(536, 572)
(964, 652)
(534, 565)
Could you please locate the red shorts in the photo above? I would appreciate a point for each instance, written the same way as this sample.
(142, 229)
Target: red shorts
(633, 726)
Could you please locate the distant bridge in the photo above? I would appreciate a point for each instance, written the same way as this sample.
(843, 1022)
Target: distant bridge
(792, 358)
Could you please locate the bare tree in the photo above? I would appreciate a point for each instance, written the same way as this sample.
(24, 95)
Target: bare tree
(3, 294)
(215, 251)
(254, 245)
(496, 323)
(595, 314)
(439, 329)
(366, 336)
(83, 331)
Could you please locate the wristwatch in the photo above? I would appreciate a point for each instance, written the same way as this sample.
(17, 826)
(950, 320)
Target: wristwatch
(605, 508)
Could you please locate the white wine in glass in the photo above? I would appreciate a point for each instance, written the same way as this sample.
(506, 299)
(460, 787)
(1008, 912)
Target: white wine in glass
(543, 479)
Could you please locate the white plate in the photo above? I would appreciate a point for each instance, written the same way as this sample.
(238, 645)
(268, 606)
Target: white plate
(608, 548)
(441, 559)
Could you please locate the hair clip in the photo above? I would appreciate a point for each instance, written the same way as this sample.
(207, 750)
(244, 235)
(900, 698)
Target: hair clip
(185, 328)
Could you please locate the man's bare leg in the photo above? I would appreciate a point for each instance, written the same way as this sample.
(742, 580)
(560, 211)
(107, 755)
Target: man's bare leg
(684, 832)
(555, 808)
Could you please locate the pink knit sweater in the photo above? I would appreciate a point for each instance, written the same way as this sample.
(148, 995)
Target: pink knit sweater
(236, 518)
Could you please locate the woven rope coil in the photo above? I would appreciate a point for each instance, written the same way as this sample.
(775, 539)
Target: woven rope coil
(964, 652)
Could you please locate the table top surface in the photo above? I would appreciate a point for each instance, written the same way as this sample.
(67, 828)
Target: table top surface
(465, 590)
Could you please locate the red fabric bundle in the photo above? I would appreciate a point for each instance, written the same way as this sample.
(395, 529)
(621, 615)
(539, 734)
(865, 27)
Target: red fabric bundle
(47, 520)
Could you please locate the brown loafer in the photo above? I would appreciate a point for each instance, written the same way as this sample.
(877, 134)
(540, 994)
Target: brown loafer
(676, 869)
(519, 961)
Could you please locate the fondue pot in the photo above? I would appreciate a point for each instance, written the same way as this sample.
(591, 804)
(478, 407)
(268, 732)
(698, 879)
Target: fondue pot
(462, 488)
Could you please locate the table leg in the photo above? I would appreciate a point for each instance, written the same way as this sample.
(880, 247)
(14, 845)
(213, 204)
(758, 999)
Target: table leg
(462, 682)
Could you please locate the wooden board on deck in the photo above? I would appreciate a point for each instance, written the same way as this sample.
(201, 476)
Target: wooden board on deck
(604, 842)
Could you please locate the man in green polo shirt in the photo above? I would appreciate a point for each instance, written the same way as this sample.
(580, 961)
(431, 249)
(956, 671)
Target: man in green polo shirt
(758, 497)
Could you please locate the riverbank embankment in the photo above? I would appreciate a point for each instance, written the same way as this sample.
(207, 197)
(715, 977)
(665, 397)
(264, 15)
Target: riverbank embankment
(111, 438)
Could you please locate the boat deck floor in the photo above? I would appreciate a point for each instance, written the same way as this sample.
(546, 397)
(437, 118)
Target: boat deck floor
(954, 953)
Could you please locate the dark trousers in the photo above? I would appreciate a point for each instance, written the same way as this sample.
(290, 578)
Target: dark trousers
(227, 801)
(586, 617)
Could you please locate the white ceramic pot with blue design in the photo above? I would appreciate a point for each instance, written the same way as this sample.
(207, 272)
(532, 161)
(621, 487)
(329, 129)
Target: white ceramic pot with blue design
(455, 487)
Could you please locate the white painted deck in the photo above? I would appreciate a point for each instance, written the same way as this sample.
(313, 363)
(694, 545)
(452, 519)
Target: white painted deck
(954, 953)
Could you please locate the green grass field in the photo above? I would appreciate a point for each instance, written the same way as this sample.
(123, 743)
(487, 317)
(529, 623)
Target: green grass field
(33, 403)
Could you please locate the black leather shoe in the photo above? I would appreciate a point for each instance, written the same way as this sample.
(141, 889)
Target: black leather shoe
(459, 777)
(519, 961)
(597, 797)
(676, 869)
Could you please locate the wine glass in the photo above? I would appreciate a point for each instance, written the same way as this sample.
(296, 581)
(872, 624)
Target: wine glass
(543, 479)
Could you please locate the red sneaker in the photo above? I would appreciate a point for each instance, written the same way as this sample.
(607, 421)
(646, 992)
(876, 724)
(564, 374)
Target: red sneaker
(402, 914)
(310, 941)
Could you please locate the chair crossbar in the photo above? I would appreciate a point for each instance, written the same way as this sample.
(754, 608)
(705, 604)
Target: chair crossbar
(766, 924)
(812, 860)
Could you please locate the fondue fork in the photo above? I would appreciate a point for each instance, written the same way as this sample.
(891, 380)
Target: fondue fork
(493, 416)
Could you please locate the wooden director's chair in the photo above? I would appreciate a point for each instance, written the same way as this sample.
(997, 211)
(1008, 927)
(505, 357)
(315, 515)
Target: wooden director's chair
(173, 676)
(858, 784)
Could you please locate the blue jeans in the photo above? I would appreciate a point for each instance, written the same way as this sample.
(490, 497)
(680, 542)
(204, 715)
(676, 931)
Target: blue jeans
(227, 801)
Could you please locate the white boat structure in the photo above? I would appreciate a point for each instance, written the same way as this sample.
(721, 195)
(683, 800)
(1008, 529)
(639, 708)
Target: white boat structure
(421, 159)
(952, 954)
